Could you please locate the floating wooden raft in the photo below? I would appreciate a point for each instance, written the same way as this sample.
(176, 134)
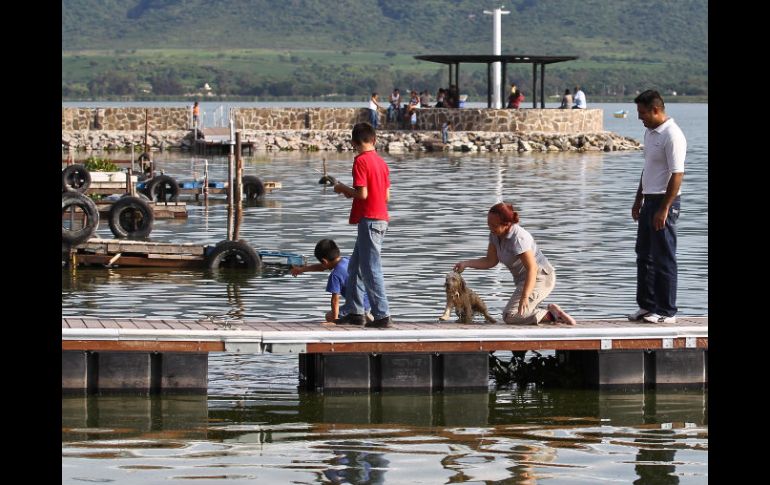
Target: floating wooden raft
(125, 252)
(162, 210)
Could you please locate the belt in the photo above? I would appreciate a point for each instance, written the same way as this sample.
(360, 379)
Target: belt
(657, 196)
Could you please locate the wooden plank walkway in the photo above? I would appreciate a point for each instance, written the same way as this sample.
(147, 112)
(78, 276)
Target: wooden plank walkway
(257, 336)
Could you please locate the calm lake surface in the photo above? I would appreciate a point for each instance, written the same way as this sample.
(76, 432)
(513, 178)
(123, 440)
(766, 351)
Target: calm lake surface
(254, 424)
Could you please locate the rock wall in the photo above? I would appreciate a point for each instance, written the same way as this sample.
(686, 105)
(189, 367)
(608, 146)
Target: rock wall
(125, 119)
(465, 119)
(339, 140)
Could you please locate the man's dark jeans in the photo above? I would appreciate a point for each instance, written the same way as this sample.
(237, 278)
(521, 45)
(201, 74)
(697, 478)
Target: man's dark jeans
(656, 270)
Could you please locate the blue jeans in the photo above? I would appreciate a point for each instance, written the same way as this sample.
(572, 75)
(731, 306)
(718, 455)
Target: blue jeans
(365, 270)
(656, 270)
(392, 112)
(373, 117)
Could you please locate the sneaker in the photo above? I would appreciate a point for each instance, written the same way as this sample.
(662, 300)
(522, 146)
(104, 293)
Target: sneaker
(383, 322)
(350, 319)
(560, 315)
(638, 315)
(655, 318)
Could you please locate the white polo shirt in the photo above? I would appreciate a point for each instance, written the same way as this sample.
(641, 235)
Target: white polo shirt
(665, 148)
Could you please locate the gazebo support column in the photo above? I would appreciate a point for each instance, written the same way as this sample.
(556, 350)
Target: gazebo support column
(542, 85)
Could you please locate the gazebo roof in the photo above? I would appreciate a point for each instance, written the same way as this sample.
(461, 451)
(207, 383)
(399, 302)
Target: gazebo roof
(454, 61)
(483, 58)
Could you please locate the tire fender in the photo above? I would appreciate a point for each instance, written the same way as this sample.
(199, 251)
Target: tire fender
(72, 200)
(131, 217)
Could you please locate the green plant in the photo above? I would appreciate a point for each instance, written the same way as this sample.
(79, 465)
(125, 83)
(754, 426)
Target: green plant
(97, 164)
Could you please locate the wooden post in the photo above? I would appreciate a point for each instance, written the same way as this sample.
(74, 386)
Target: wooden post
(146, 130)
(130, 188)
(238, 186)
(205, 181)
(230, 175)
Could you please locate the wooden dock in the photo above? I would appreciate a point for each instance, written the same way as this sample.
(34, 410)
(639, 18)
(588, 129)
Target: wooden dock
(152, 254)
(161, 210)
(126, 252)
(101, 354)
(252, 336)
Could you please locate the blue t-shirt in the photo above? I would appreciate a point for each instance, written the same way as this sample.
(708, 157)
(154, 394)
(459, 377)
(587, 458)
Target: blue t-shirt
(338, 280)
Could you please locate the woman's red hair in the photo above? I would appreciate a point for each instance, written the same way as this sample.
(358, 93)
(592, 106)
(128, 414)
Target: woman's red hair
(505, 212)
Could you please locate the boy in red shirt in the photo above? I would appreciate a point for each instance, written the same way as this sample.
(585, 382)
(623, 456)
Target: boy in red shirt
(370, 194)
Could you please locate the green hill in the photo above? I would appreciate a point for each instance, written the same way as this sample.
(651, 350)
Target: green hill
(348, 48)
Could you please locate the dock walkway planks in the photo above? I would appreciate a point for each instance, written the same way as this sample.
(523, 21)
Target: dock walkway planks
(257, 336)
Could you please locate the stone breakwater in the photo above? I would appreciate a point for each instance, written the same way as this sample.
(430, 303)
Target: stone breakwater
(396, 141)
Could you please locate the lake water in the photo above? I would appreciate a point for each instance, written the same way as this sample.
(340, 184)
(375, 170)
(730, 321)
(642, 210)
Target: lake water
(255, 424)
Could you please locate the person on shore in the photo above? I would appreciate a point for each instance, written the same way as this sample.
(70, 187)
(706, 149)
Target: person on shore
(196, 113)
(370, 193)
(425, 99)
(440, 98)
(445, 127)
(328, 254)
(374, 109)
(515, 98)
(566, 100)
(535, 278)
(656, 209)
(580, 99)
(395, 104)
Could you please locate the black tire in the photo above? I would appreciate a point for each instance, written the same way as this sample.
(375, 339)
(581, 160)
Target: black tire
(162, 189)
(253, 188)
(75, 178)
(141, 195)
(131, 217)
(233, 254)
(327, 180)
(71, 235)
(144, 157)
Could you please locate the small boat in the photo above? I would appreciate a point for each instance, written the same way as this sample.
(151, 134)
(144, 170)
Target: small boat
(620, 114)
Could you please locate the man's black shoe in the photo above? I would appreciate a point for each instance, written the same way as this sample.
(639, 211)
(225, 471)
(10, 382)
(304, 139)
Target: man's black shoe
(350, 319)
(383, 322)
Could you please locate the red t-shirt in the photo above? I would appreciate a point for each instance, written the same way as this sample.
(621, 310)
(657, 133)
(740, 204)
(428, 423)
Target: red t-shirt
(370, 171)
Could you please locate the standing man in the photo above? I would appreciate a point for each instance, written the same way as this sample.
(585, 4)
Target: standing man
(580, 99)
(370, 193)
(656, 208)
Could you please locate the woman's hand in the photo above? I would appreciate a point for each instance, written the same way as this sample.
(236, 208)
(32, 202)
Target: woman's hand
(524, 305)
(459, 267)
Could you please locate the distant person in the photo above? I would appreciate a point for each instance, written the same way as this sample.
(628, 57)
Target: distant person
(196, 112)
(374, 108)
(452, 98)
(328, 254)
(515, 98)
(445, 127)
(413, 120)
(566, 100)
(580, 99)
(656, 209)
(395, 104)
(535, 278)
(370, 193)
(440, 98)
(425, 99)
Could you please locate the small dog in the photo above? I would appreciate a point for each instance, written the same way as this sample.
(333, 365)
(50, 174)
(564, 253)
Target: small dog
(464, 300)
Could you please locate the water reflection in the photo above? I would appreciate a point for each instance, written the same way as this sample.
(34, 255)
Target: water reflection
(576, 205)
(506, 436)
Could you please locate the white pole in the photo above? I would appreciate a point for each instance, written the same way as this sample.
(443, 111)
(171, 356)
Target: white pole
(496, 50)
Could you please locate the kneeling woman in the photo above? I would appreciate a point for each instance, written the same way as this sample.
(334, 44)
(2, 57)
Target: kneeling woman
(534, 276)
